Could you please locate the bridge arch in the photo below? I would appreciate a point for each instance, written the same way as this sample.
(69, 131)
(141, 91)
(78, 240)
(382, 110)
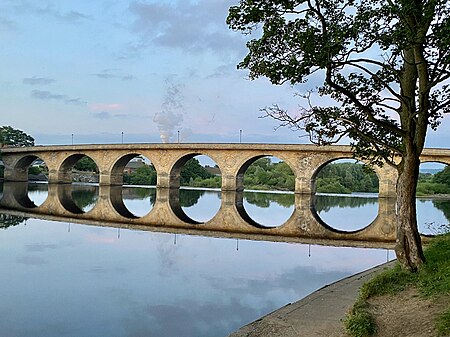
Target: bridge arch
(116, 173)
(180, 161)
(249, 160)
(21, 166)
(64, 172)
(321, 166)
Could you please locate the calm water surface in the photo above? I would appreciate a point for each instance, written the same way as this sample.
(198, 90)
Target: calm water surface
(63, 279)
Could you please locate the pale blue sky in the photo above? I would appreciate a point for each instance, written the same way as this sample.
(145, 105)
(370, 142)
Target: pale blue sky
(100, 68)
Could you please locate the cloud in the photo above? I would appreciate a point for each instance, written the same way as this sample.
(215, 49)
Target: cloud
(113, 74)
(47, 95)
(105, 106)
(102, 115)
(31, 260)
(108, 115)
(186, 25)
(40, 247)
(52, 11)
(7, 25)
(38, 80)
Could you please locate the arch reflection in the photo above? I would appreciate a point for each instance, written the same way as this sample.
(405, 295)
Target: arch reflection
(78, 199)
(266, 209)
(169, 214)
(345, 213)
(138, 201)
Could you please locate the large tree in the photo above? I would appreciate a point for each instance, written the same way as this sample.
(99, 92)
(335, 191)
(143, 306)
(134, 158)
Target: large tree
(385, 64)
(14, 137)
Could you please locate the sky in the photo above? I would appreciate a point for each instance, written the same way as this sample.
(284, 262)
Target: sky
(152, 70)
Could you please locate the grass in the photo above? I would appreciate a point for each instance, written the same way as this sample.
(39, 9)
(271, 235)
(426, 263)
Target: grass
(433, 280)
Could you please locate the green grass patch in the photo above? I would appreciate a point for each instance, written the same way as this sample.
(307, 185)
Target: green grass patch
(391, 281)
(359, 322)
(432, 280)
(443, 323)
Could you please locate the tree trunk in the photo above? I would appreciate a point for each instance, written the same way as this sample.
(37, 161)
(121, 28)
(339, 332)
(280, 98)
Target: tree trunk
(408, 246)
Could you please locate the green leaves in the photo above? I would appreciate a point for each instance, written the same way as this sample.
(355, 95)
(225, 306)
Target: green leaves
(385, 64)
(14, 137)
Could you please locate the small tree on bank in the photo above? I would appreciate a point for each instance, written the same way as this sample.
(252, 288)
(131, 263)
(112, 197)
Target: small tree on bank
(14, 137)
(385, 63)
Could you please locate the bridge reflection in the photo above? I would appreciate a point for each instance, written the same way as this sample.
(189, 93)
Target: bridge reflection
(167, 215)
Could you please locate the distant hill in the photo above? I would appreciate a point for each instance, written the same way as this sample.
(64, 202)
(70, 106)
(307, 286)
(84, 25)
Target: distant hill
(430, 170)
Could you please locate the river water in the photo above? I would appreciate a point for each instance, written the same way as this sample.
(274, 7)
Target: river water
(67, 279)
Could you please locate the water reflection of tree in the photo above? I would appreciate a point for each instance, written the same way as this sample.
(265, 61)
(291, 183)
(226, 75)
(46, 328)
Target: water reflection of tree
(444, 206)
(189, 198)
(37, 187)
(323, 203)
(265, 199)
(7, 220)
(139, 193)
(84, 196)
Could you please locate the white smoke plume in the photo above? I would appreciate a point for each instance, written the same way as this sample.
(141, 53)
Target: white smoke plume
(170, 118)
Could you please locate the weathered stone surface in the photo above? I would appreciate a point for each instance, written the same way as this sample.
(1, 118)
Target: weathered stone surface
(232, 159)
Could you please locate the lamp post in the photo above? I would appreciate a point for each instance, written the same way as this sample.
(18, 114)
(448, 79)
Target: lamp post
(122, 137)
(72, 138)
(240, 136)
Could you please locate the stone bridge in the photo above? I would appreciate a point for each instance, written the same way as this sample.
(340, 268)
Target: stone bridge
(232, 221)
(168, 160)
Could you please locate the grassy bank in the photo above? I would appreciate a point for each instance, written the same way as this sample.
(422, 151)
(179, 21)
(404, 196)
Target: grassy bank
(432, 281)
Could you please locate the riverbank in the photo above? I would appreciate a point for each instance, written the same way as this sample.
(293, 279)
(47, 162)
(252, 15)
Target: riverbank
(319, 314)
(399, 303)
(391, 303)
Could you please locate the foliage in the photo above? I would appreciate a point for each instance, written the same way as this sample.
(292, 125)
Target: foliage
(265, 199)
(144, 175)
(84, 196)
(443, 323)
(370, 54)
(188, 198)
(444, 206)
(438, 183)
(139, 193)
(264, 174)
(384, 64)
(213, 182)
(443, 177)
(360, 323)
(433, 279)
(192, 174)
(86, 164)
(34, 170)
(191, 171)
(346, 178)
(14, 137)
(323, 203)
(7, 220)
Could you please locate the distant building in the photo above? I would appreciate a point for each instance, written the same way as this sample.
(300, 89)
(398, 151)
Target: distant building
(133, 165)
(38, 163)
(215, 171)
